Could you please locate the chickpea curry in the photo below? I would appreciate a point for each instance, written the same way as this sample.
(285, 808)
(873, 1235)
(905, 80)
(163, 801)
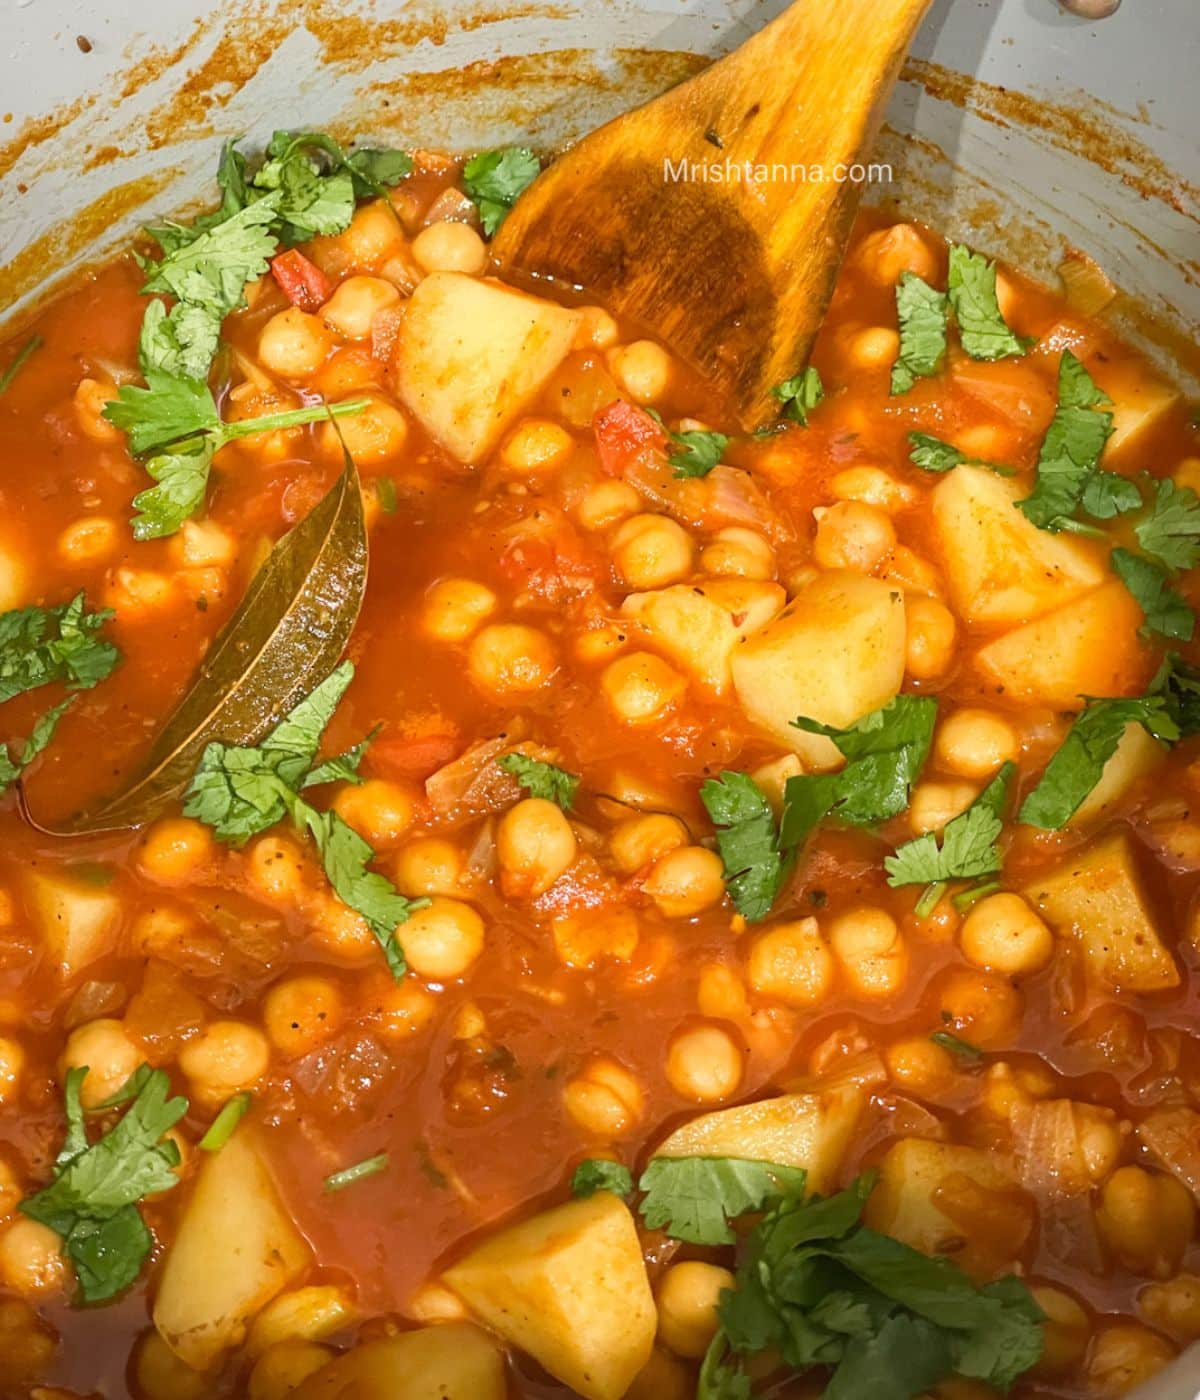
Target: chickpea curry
(700, 915)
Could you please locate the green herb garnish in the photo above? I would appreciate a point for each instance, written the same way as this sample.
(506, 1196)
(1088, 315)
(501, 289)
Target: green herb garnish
(971, 287)
(922, 313)
(800, 394)
(371, 1166)
(494, 179)
(599, 1174)
(694, 1198)
(220, 1130)
(748, 842)
(541, 779)
(1070, 451)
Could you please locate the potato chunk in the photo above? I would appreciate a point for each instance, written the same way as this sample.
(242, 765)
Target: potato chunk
(834, 654)
(1139, 404)
(1137, 754)
(700, 625)
(1096, 896)
(795, 1130)
(570, 1288)
(927, 1192)
(1000, 567)
(472, 355)
(452, 1362)
(77, 921)
(236, 1248)
(1089, 647)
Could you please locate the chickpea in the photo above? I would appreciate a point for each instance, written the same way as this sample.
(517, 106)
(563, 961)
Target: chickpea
(1123, 1356)
(374, 234)
(428, 865)
(133, 593)
(920, 1066)
(888, 253)
(851, 535)
(597, 329)
(1147, 1219)
(642, 368)
(1066, 1331)
(738, 553)
(399, 1010)
(640, 687)
(871, 951)
(91, 395)
(27, 1344)
(1003, 933)
(456, 607)
(225, 1058)
(374, 436)
(975, 743)
(1173, 1307)
(688, 1294)
(720, 993)
(913, 573)
(11, 1190)
(651, 551)
(705, 1064)
(31, 1258)
(355, 304)
(202, 544)
(934, 804)
(12, 1064)
(508, 658)
(535, 845)
(872, 486)
(294, 344)
(340, 930)
(282, 1367)
(985, 1009)
(162, 1376)
(932, 633)
(175, 850)
(301, 1013)
(433, 1303)
(663, 1377)
(605, 503)
(637, 841)
(89, 540)
(873, 347)
(442, 940)
(791, 963)
(109, 1054)
(380, 811)
(536, 445)
(604, 1099)
(685, 881)
(275, 869)
(450, 246)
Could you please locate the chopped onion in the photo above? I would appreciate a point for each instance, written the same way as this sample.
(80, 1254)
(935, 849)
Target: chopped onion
(1173, 1136)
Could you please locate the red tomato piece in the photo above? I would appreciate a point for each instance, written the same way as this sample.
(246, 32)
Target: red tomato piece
(626, 434)
(300, 280)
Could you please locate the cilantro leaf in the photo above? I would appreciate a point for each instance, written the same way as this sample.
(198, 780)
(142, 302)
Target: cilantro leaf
(599, 1174)
(1179, 685)
(92, 1200)
(180, 476)
(180, 342)
(1171, 531)
(700, 450)
(971, 287)
(375, 169)
(494, 179)
(968, 846)
(1167, 612)
(1109, 494)
(168, 408)
(748, 842)
(342, 767)
(800, 394)
(40, 645)
(1076, 766)
(933, 455)
(211, 271)
(43, 731)
(922, 313)
(694, 1198)
(884, 752)
(541, 779)
(1071, 449)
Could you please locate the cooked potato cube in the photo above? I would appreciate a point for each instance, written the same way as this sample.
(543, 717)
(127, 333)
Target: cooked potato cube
(311, 1313)
(235, 1249)
(472, 355)
(1089, 647)
(1139, 403)
(794, 1130)
(455, 1361)
(1000, 567)
(1137, 754)
(570, 1288)
(699, 626)
(78, 921)
(1096, 896)
(834, 654)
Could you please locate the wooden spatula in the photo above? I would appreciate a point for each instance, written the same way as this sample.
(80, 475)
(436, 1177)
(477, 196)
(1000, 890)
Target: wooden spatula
(733, 274)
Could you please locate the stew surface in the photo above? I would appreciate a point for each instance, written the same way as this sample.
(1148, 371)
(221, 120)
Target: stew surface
(589, 597)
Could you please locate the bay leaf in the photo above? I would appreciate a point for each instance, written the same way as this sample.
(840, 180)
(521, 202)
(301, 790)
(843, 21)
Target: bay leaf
(286, 636)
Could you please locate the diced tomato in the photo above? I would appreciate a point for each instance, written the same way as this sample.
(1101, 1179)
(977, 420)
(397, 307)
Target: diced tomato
(411, 757)
(625, 434)
(301, 281)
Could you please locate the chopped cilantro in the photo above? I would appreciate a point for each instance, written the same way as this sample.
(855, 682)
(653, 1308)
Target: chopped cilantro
(694, 1198)
(748, 842)
(11, 767)
(40, 645)
(541, 779)
(933, 455)
(1167, 612)
(971, 287)
(385, 494)
(494, 179)
(922, 312)
(800, 394)
(957, 1046)
(1179, 685)
(698, 451)
(1171, 530)
(34, 342)
(599, 1174)
(1108, 494)
(1076, 766)
(370, 1166)
(92, 1200)
(1070, 451)
(968, 846)
(220, 1130)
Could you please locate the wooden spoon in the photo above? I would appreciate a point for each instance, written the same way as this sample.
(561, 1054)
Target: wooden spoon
(733, 275)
